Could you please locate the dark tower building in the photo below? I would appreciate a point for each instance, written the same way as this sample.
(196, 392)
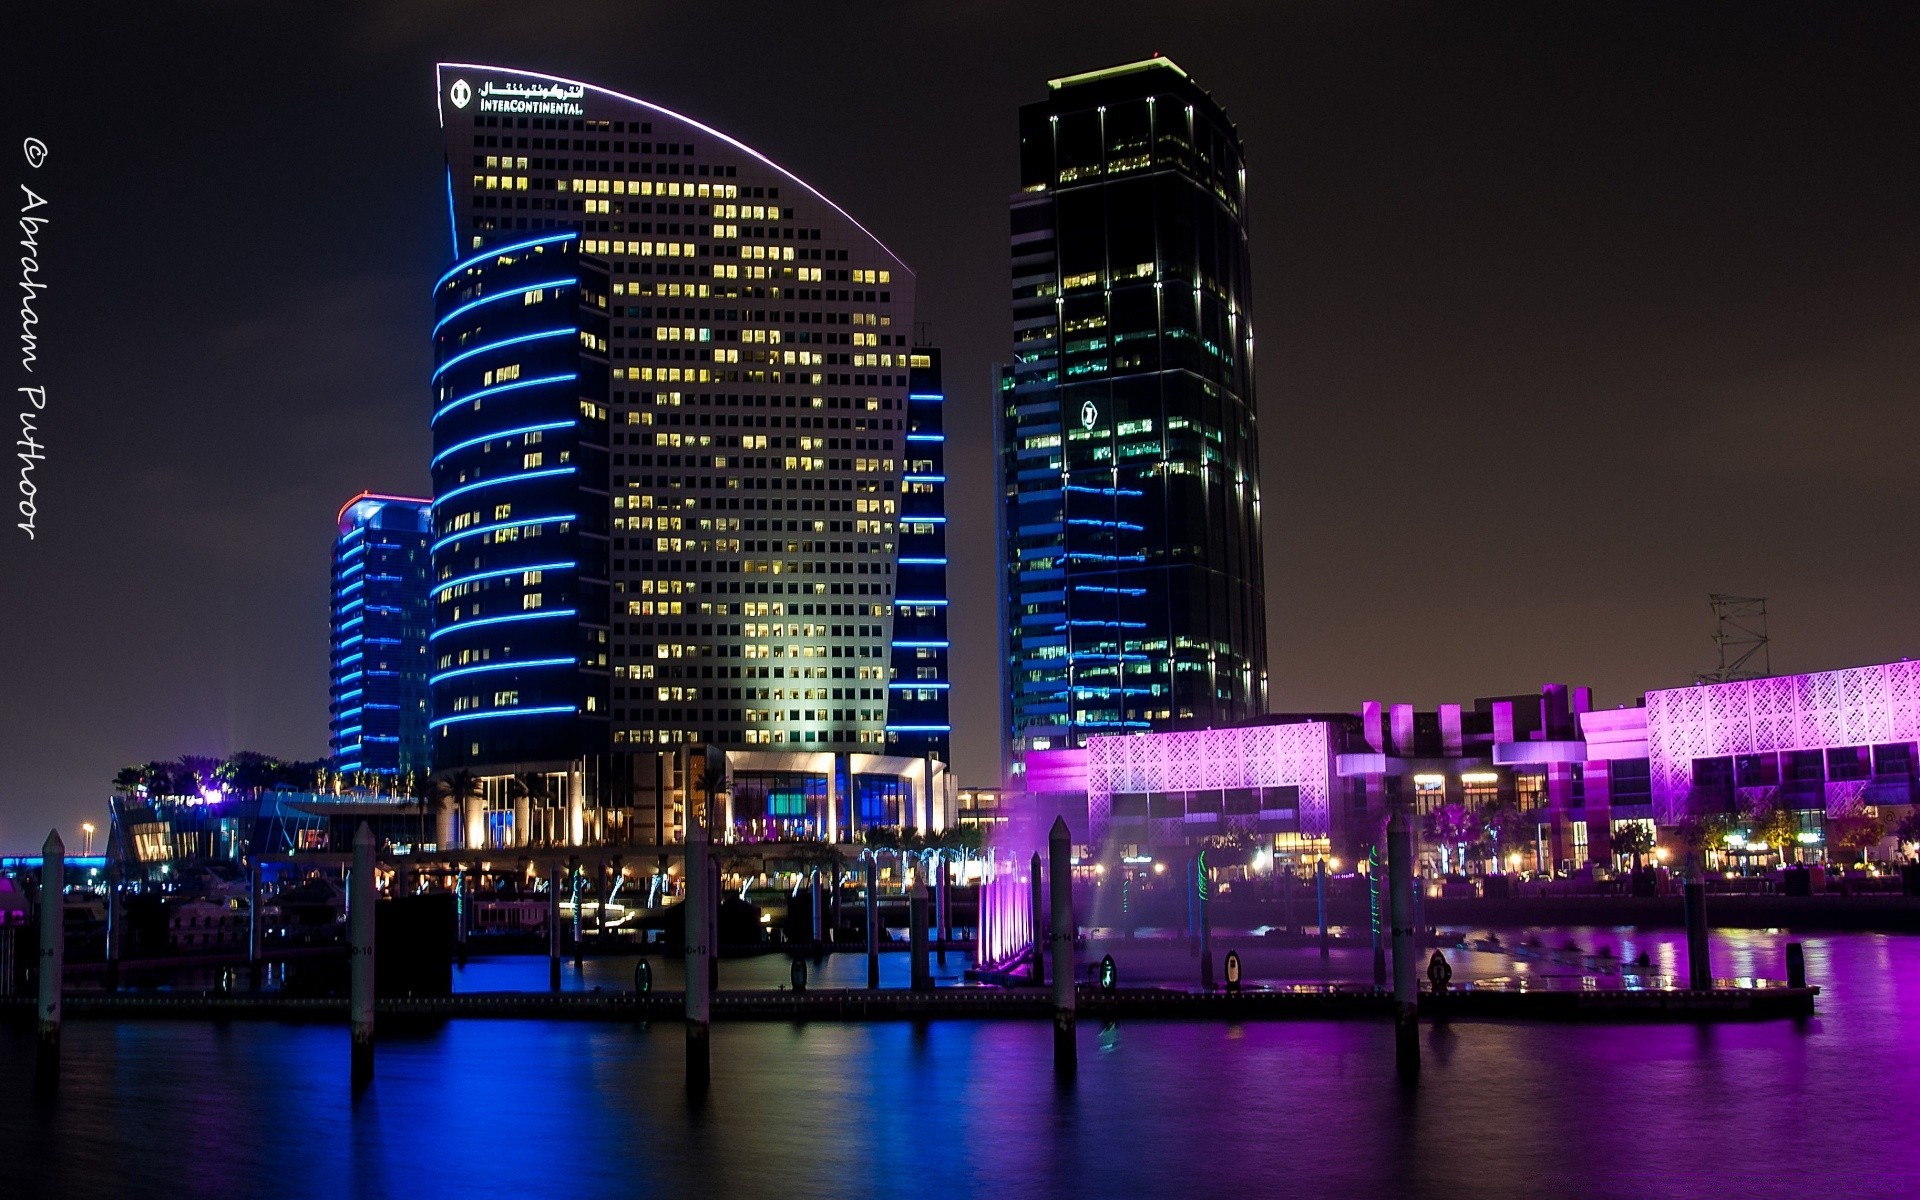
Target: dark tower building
(520, 512)
(918, 723)
(378, 696)
(1129, 467)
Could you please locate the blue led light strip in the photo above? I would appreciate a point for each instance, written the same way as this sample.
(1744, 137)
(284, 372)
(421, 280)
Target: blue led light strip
(519, 477)
(477, 530)
(919, 729)
(461, 626)
(923, 562)
(496, 251)
(923, 645)
(504, 433)
(924, 683)
(505, 666)
(473, 304)
(454, 583)
(494, 391)
(494, 713)
(461, 357)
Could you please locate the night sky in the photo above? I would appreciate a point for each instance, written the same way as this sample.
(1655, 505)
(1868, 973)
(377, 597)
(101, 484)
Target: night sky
(1567, 315)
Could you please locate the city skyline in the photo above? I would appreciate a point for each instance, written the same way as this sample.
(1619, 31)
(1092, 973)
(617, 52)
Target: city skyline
(1393, 562)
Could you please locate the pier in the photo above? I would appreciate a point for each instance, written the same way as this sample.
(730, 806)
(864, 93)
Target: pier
(1744, 1000)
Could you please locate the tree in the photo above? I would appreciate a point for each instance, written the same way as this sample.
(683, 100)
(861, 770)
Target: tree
(1856, 832)
(1776, 826)
(1452, 826)
(457, 787)
(426, 797)
(1908, 830)
(1503, 822)
(1636, 841)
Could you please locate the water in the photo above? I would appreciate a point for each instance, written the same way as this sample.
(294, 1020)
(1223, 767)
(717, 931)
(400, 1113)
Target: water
(1159, 1109)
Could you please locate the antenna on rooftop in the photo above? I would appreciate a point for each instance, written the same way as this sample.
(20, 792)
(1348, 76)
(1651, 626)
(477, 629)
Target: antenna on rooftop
(1740, 633)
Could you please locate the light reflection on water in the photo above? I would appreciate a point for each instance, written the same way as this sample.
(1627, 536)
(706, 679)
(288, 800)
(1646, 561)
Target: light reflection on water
(1159, 1108)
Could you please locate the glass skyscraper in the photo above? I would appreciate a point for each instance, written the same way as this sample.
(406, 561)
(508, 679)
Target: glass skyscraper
(377, 701)
(917, 704)
(759, 438)
(1129, 466)
(520, 598)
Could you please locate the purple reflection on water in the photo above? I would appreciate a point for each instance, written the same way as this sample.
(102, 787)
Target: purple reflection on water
(1159, 1108)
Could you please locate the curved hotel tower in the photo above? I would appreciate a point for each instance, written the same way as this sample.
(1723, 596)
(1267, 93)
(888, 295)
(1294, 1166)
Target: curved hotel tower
(1130, 484)
(672, 442)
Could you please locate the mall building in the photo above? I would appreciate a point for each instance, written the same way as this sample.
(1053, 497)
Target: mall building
(1824, 745)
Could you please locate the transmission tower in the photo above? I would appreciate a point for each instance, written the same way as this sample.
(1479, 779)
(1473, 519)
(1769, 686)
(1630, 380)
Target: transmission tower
(1740, 633)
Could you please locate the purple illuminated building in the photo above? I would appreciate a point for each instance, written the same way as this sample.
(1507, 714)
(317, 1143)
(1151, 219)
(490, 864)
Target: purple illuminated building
(1820, 746)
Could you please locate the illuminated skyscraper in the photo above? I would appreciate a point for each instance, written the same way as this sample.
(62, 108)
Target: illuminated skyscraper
(918, 723)
(520, 512)
(757, 431)
(1129, 464)
(377, 701)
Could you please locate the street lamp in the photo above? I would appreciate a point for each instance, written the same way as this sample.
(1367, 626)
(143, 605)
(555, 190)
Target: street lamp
(86, 827)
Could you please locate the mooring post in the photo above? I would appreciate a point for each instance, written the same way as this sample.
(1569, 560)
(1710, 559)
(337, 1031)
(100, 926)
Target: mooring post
(1188, 868)
(462, 910)
(699, 930)
(256, 929)
(360, 935)
(1202, 900)
(1060, 883)
(943, 922)
(1796, 965)
(921, 978)
(819, 916)
(715, 891)
(1406, 995)
(1320, 896)
(1373, 912)
(1699, 970)
(1037, 954)
(1286, 899)
(873, 922)
(553, 928)
(573, 897)
(53, 954)
(114, 930)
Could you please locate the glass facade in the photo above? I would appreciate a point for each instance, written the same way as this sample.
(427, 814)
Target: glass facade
(918, 723)
(377, 702)
(1129, 467)
(758, 418)
(519, 644)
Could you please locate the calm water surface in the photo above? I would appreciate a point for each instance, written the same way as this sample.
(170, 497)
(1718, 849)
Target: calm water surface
(188, 1109)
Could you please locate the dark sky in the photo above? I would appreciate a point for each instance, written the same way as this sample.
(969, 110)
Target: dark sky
(1567, 315)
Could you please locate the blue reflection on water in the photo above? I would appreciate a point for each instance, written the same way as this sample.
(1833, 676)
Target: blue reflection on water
(1159, 1108)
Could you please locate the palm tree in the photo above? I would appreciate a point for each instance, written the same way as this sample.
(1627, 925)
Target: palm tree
(457, 787)
(425, 794)
(1452, 826)
(532, 787)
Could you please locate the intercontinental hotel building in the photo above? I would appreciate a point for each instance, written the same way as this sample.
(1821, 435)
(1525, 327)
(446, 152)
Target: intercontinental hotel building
(688, 485)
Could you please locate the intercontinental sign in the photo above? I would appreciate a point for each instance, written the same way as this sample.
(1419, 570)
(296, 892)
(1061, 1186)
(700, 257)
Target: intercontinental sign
(530, 99)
